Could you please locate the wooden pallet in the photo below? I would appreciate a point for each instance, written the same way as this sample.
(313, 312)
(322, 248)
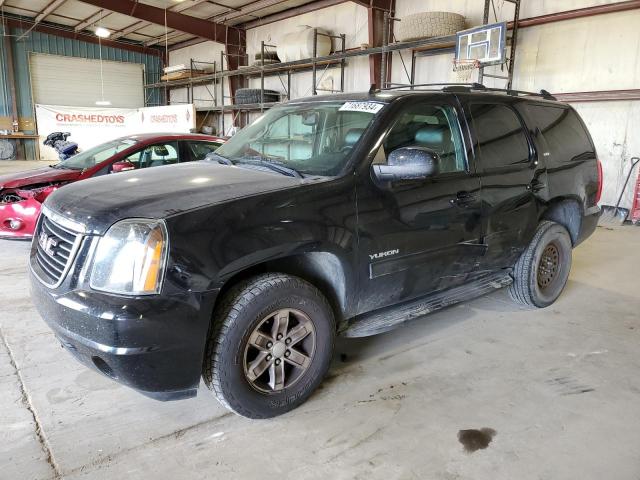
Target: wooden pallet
(182, 75)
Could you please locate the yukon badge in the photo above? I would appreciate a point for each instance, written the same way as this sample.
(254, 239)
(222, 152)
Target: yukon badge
(388, 253)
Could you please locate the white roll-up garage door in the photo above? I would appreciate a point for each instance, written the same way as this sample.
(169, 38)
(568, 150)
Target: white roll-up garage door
(75, 82)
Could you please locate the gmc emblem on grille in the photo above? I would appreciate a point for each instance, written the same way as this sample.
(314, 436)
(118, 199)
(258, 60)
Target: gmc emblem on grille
(47, 243)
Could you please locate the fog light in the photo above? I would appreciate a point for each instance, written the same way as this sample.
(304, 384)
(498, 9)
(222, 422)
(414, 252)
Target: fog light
(15, 224)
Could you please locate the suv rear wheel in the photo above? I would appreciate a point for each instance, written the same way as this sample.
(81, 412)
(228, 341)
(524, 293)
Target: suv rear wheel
(270, 346)
(542, 271)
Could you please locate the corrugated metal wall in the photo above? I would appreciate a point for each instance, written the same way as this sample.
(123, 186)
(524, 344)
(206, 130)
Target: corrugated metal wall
(4, 93)
(51, 44)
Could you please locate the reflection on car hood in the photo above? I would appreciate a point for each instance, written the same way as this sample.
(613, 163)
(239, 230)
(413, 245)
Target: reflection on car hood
(159, 192)
(37, 176)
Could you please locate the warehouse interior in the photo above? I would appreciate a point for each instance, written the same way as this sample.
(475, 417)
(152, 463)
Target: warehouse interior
(482, 389)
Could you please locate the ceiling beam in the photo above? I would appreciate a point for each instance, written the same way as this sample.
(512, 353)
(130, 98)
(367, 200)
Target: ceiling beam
(169, 37)
(246, 10)
(291, 12)
(99, 15)
(134, 27)
(49, 9)
(176, 21)
(59, 31)
(2, 2)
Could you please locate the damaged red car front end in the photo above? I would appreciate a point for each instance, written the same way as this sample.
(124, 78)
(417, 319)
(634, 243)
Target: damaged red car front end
(19, 210)
(22, 195)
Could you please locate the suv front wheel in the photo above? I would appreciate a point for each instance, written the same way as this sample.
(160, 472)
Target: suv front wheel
(542, 271)
(270, 346)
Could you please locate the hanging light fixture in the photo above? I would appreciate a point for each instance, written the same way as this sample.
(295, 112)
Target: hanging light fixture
(101, 33)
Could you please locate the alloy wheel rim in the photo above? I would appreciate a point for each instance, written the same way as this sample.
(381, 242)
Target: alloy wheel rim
(548, 266)
(279, 350)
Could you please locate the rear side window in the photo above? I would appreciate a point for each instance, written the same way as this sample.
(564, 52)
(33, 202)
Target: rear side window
(562, 129)
(501, 140)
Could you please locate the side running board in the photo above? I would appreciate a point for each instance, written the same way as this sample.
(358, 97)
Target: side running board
(390, 317)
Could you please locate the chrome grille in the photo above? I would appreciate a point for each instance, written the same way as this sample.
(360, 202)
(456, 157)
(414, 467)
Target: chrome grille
(55, 248)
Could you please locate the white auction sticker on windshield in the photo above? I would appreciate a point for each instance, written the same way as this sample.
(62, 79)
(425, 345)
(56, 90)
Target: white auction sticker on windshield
(369, 107)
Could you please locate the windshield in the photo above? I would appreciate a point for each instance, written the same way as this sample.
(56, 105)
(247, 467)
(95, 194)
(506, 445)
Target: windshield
(93, 156)
(312, 139)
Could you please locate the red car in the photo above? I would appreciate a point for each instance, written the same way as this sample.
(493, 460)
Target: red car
(22, 194)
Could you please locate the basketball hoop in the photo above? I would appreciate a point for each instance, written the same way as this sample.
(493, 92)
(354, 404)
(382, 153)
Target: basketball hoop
(464, 69)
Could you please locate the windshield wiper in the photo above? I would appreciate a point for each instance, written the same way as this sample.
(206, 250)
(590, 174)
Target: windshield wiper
(216, 157)
(270, 164)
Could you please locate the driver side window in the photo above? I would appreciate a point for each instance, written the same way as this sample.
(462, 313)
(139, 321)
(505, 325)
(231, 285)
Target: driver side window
(430, 126)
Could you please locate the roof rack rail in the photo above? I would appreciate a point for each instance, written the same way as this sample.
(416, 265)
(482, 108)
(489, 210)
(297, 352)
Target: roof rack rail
(475, 86)
(399, 86)
(467, 87)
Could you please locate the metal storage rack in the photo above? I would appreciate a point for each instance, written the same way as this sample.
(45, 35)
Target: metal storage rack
(418, 48)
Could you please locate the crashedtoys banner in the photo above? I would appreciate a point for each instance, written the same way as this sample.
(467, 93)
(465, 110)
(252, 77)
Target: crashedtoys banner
(91, 126)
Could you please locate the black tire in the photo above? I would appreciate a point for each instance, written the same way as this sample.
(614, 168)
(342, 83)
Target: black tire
(267, 56)
(241, 313)
(254, 95)
(542, 271)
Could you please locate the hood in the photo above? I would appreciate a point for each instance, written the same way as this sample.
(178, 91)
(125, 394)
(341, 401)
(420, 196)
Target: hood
(43, 175)
(159, 192)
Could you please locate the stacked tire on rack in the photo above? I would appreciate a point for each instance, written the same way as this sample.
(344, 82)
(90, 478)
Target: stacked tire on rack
(429, 24)
(269, 58)
(254, 95)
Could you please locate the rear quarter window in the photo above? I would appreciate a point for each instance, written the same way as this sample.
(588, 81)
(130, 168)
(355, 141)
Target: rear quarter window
(501, 139)
(562, 129)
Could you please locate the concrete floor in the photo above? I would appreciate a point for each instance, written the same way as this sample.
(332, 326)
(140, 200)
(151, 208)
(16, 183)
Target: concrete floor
(559, 386)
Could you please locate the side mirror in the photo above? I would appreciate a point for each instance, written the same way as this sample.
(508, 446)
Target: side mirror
(408, 163)
(122, 166)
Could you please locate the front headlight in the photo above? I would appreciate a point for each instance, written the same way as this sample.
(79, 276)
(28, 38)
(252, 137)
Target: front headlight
(130, 258)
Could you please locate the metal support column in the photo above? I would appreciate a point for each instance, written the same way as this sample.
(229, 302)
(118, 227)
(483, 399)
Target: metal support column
(385, 42)
(343, 37)
(485, 21)
(222, 91)
(514, 44)
(313, 60)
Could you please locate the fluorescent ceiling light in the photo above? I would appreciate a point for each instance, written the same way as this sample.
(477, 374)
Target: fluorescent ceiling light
(103, 32)
(103, 103)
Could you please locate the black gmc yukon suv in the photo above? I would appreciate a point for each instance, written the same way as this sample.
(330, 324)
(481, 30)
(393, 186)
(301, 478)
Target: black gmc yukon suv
(345, 214)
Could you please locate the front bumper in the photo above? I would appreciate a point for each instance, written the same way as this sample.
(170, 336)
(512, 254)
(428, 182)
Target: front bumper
(152, 344)
(25, 212)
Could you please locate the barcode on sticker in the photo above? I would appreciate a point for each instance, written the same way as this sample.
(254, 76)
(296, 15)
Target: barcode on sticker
(369, 107)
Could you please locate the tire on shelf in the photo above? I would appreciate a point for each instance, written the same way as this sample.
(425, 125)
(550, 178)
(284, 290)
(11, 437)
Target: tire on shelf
(429, 24)
(267, 56)
(254, 95)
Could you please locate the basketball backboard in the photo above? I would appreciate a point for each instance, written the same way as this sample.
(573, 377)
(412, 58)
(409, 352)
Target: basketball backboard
(486, 44)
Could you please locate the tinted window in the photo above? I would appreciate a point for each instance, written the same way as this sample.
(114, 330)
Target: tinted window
(500, 136)
(199, 150)
(562, 129)
(155, 155)
(431, 126)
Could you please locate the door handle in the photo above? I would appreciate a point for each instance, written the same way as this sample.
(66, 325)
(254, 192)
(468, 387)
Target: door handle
(536, 186)
(463, 199)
